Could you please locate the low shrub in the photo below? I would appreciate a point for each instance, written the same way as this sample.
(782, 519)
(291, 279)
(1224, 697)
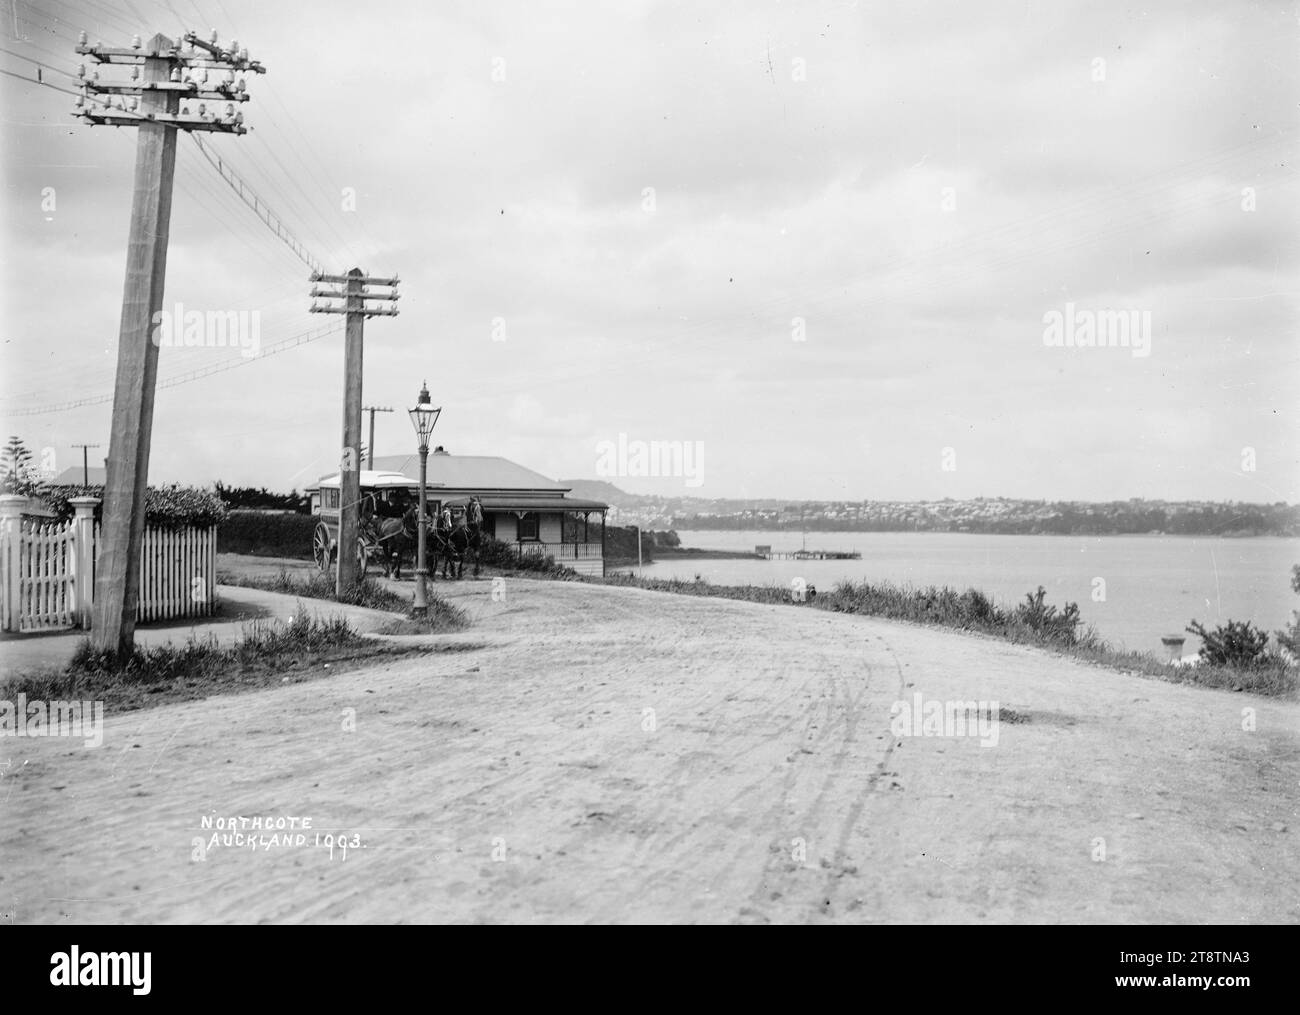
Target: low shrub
(506, 557)
(1045, 621)
(978, 607)
(1236, 643)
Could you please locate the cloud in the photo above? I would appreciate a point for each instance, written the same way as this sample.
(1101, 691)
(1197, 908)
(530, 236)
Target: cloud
(939, 177)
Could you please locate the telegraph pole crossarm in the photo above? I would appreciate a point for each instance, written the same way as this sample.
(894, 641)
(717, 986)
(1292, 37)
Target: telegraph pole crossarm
(157, 86)
(231, 90)
(359, 302)
(374, 304)
(344, 279)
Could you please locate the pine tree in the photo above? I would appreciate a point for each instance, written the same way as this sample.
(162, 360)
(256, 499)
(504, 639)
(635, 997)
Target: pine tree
(15, 465)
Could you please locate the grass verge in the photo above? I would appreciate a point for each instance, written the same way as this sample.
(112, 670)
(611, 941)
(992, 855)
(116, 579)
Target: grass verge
(270, 653)
(1033, 622)
(443, 616)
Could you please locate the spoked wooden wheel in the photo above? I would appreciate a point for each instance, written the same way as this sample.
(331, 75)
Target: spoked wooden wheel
(320, 546)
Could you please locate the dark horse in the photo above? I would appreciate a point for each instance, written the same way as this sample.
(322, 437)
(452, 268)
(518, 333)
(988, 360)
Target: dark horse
(391, 535)
(459, 537)
(450, 541)
(449, 537)
(474, 526)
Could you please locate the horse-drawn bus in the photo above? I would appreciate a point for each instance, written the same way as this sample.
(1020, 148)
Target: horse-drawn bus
(389, 527)
(514, 506)
(391, 489)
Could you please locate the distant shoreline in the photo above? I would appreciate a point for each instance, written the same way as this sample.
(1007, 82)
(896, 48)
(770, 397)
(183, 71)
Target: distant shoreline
(949, 532)
(665, 554)
(702, 553)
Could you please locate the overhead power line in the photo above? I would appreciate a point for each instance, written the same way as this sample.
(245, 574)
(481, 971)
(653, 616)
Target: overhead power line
(236, 183)
(259, 206)
(192, 375)
(69, 91)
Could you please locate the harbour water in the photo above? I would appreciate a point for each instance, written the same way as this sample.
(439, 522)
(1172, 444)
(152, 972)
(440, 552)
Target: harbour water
(1132, 589)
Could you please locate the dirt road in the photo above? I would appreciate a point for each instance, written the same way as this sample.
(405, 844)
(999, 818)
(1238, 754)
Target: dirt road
(619, 755)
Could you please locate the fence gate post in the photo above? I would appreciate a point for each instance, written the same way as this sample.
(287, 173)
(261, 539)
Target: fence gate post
(84, 557)
(11, 534)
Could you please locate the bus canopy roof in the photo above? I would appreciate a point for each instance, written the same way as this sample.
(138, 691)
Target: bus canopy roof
(380, 480)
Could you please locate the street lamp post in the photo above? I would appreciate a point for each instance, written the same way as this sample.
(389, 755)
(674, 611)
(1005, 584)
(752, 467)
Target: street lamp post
(423, 417)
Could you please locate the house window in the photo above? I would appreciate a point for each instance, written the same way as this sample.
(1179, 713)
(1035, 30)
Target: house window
(575, 527)
(528, 526)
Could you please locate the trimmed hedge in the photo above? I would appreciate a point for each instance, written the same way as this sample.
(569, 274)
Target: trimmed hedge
(267, 534)
(166, 507)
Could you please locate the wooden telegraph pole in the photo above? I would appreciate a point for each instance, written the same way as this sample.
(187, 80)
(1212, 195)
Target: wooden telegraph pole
(85, 462)
(355, 296)
(370, 448)
(154, 113)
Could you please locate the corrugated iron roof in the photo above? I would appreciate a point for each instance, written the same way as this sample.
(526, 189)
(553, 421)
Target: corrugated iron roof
(470, 472)
(72, 476)
(522, 503)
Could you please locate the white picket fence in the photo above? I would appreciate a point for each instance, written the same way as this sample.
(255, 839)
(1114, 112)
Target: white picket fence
(178, 573)
(47, 571)
(47, 578)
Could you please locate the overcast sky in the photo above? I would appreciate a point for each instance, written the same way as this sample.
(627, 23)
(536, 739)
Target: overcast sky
(820, 239)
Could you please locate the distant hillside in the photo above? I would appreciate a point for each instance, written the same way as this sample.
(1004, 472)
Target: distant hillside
(1001, 515)
(601, 490)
